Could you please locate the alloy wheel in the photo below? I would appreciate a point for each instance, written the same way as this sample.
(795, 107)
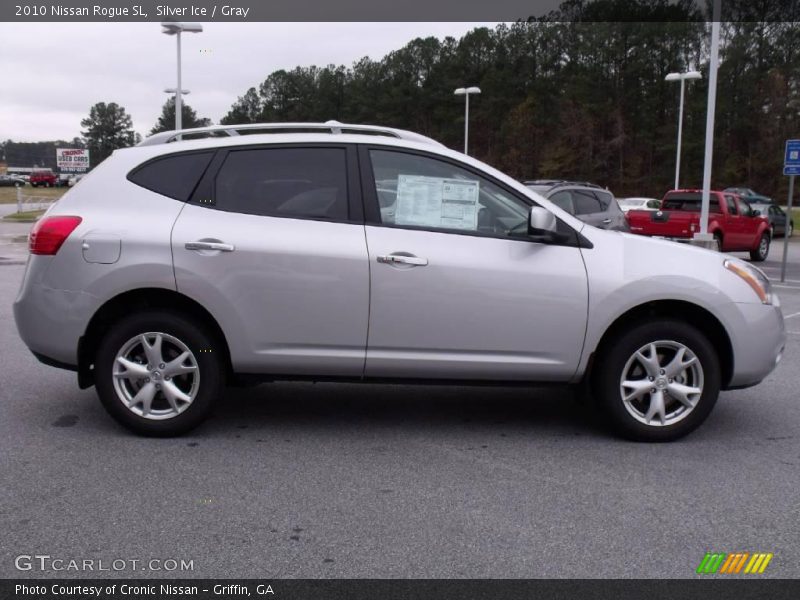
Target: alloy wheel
(156, 376)
(661, 383)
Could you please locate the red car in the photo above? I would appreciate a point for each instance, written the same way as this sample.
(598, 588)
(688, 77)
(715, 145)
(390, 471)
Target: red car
(735, 226)
(45, 178)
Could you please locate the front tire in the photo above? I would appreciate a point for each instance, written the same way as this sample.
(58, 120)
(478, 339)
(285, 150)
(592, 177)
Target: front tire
(657, 381)
(762, 251)
(158, 373)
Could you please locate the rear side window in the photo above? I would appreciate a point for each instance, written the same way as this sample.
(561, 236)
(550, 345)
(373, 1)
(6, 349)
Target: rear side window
(586, 203)
(731, 205)
(605, 200)
(174, 176)
(284, 182)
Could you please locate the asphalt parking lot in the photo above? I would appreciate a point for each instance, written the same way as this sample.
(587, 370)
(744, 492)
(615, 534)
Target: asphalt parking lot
(332, 480)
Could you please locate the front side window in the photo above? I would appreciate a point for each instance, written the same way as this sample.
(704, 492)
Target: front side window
(284, 182)
(418, 191)
(563, 200)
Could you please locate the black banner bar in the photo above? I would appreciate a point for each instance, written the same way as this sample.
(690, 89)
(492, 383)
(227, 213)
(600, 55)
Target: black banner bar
(385, 589)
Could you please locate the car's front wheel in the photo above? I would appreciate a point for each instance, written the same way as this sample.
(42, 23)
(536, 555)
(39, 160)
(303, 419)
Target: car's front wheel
(658, 380)
(158, 373)
(762, 251)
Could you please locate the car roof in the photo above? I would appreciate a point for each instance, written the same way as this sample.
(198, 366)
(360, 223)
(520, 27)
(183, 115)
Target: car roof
(248, 130)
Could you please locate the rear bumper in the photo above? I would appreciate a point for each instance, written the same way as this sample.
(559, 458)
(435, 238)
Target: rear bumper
(51, 322)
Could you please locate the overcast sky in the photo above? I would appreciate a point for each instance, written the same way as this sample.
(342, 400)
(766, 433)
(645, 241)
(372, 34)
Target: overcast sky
(51, 74)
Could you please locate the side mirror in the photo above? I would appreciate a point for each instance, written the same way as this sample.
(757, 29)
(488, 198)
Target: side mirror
(755, 213)
(541, 222)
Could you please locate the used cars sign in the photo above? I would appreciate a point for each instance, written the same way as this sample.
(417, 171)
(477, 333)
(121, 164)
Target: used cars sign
(72, 159)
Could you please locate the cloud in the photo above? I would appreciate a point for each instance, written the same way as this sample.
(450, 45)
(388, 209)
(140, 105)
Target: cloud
(54, 72)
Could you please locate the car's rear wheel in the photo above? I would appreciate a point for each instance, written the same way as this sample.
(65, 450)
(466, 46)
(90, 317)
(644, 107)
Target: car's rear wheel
(789, 230)
(658, 381)
(158, 373)
(762, 251)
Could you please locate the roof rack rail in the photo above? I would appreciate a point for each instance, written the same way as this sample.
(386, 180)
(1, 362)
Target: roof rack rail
(560, 182)
(333, 127)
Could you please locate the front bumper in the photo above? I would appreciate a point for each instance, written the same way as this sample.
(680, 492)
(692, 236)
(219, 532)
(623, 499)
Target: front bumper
(758, 339)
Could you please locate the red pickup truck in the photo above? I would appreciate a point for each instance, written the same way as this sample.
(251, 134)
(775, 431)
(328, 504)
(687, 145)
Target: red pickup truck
(43, 177)
(735, 226)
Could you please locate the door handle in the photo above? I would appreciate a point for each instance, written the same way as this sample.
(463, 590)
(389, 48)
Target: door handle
(401, 259)
(220, 246)
(606, 221)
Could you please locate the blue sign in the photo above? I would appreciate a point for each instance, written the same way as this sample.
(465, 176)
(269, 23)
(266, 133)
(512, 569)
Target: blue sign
(791, 161)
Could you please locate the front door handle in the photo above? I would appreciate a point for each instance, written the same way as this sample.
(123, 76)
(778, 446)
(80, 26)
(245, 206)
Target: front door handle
(402, 259)
(220, 246)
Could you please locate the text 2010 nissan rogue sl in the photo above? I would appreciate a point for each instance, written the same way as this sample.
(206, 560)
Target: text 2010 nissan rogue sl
(359, 253)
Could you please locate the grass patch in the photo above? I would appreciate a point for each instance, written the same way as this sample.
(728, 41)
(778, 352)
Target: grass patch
(8, 195)
(24, 217)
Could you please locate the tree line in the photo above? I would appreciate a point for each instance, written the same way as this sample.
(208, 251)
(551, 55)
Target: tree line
(572, 100)
(561, 98)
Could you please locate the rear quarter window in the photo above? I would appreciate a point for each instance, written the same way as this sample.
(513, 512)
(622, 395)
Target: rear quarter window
(174, 175)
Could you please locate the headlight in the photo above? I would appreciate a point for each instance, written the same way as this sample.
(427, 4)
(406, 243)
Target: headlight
(753, 277)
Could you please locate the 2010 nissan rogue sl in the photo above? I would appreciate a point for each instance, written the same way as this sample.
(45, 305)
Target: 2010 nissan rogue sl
(362, 253)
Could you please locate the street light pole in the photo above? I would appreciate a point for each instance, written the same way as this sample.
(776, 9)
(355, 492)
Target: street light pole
(682, 77)
(176, 95)
(176, 29)
(178, 99)
(466, 92)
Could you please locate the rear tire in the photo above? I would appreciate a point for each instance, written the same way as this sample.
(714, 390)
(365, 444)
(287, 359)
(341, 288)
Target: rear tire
(649, 397)
(762, 251)
(159, 372)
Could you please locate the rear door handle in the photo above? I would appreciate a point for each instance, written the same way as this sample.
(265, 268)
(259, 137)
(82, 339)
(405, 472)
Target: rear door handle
(401, 259)
(220, 246)
(606, 221)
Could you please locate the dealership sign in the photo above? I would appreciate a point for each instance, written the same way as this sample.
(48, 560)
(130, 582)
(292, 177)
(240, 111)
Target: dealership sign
(72, 159)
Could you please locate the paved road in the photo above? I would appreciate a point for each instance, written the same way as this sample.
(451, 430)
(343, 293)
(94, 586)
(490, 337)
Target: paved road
(304, 480)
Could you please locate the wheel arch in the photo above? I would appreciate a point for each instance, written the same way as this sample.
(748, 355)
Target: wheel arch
(140, 299)
(695, 315)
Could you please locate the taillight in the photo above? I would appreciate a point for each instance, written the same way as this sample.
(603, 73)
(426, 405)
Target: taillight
(49, 233)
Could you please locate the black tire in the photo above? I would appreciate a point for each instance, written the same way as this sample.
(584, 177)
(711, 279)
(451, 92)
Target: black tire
(761, 253)
(207, 354)
(718, 239)
(611, 367)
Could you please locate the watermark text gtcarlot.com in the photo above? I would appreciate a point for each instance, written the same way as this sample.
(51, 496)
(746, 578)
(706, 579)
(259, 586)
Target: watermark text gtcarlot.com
(45, 562)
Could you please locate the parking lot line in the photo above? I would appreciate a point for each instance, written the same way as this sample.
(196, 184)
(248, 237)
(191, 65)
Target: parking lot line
(797, 314)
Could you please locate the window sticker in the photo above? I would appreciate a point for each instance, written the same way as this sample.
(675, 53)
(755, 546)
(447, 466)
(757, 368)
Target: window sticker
(437, 202)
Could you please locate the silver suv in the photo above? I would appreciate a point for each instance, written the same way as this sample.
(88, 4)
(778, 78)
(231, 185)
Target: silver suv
(359, 253)
(587, 201)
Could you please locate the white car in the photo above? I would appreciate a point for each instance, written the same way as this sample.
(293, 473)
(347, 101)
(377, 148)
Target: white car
(627, 204)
